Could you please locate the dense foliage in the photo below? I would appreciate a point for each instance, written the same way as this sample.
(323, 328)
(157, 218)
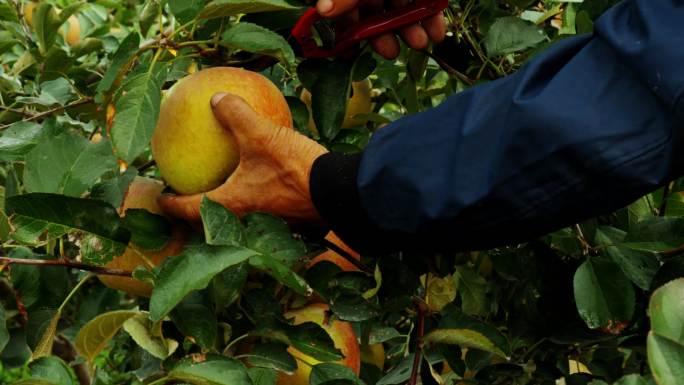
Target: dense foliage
(570, 307)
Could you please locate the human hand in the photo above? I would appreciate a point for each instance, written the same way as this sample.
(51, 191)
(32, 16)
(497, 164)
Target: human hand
(416, 36)
(273, 173)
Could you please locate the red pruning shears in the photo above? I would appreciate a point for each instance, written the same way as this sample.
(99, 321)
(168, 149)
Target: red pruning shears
(317, 38)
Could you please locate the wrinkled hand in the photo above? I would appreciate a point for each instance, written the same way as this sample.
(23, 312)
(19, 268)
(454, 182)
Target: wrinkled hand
(273, 173)
(416, 36)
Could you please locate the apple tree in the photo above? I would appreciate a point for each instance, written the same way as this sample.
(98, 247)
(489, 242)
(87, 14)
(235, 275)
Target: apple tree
(81, 84)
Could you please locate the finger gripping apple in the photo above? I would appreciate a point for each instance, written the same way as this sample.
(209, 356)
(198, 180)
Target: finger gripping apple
(194, 153)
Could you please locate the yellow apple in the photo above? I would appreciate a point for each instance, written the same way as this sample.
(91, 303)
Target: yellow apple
(374, 355)
(71, 30)
(193, 151)
(359, 103)
(341, 333)
(142, 194)
(28, 13)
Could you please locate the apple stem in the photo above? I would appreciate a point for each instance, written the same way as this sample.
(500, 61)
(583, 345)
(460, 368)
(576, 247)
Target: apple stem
(52, 111)
(65, 263)
(420, 304)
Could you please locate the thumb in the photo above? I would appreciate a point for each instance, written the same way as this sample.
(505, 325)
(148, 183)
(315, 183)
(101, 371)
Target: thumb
(236, 115)
(333, 8)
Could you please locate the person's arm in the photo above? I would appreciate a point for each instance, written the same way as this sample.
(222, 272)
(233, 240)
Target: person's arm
(585, 128)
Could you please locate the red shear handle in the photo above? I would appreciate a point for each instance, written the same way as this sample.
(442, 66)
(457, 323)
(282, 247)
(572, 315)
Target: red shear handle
(370, 27)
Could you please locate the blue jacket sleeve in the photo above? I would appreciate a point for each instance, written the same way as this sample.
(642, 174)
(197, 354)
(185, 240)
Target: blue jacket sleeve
(583, 129)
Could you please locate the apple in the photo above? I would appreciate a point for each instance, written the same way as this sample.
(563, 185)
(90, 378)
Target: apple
(370, 354)
(28, 13)
(141, 194)
(194, 153)
(341, 333)
(359, 103)
(374, 355)
(71, 30)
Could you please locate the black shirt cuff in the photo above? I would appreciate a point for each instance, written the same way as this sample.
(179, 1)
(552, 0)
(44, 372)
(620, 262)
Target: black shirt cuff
(336, 197)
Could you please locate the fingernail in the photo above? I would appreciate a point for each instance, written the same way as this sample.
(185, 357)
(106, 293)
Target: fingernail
(217, 98)
(325, 6)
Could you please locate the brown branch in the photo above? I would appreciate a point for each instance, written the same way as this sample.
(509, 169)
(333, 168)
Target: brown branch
(52, 111)
(65, 263)
(422, 310)
(65, 350)
(449, 69)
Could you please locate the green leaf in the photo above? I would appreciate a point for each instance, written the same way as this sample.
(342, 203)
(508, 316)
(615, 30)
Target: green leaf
(39, 286)
(511, 34)
(272, 355)
(300, 115)
(94, 336)
(8, 12)
(190, 271)
(46, 21)
(140, 328)
(137, 111)
(114, 190)
(639, 266)
(355, 308)
(312, 340)
(632, 379)
(52, 92)
(7, 41)
(656, 234)
(256, 39)
(48, 331)
(472, 288)
(19, 139)
(148, 231)
(53, 370)
(195, 318)
(224, 8)
(399, 374)
(221, 226)
(603, 294)
(666, 359)
(263, 376)
(282, 273)
(330, 372)
(215, 370)
(4, 333)
(454, 318)
(329, 96)
(185, 10)
(463, 337)
(269, 235)
(666, 310)
(382, 334)
(227, 285)
(33, 216)
(260, 306)
(121, 60)
(149, 15)
(66, 164)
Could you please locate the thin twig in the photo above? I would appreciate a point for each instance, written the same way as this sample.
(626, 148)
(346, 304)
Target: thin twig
(65, 263)
(449, 69)
(420, 304)
(52, 111)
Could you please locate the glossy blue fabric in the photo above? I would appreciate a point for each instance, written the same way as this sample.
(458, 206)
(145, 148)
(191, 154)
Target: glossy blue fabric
(583, 129)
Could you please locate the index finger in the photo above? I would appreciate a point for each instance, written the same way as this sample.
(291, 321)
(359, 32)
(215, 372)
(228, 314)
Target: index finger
(333, 8)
